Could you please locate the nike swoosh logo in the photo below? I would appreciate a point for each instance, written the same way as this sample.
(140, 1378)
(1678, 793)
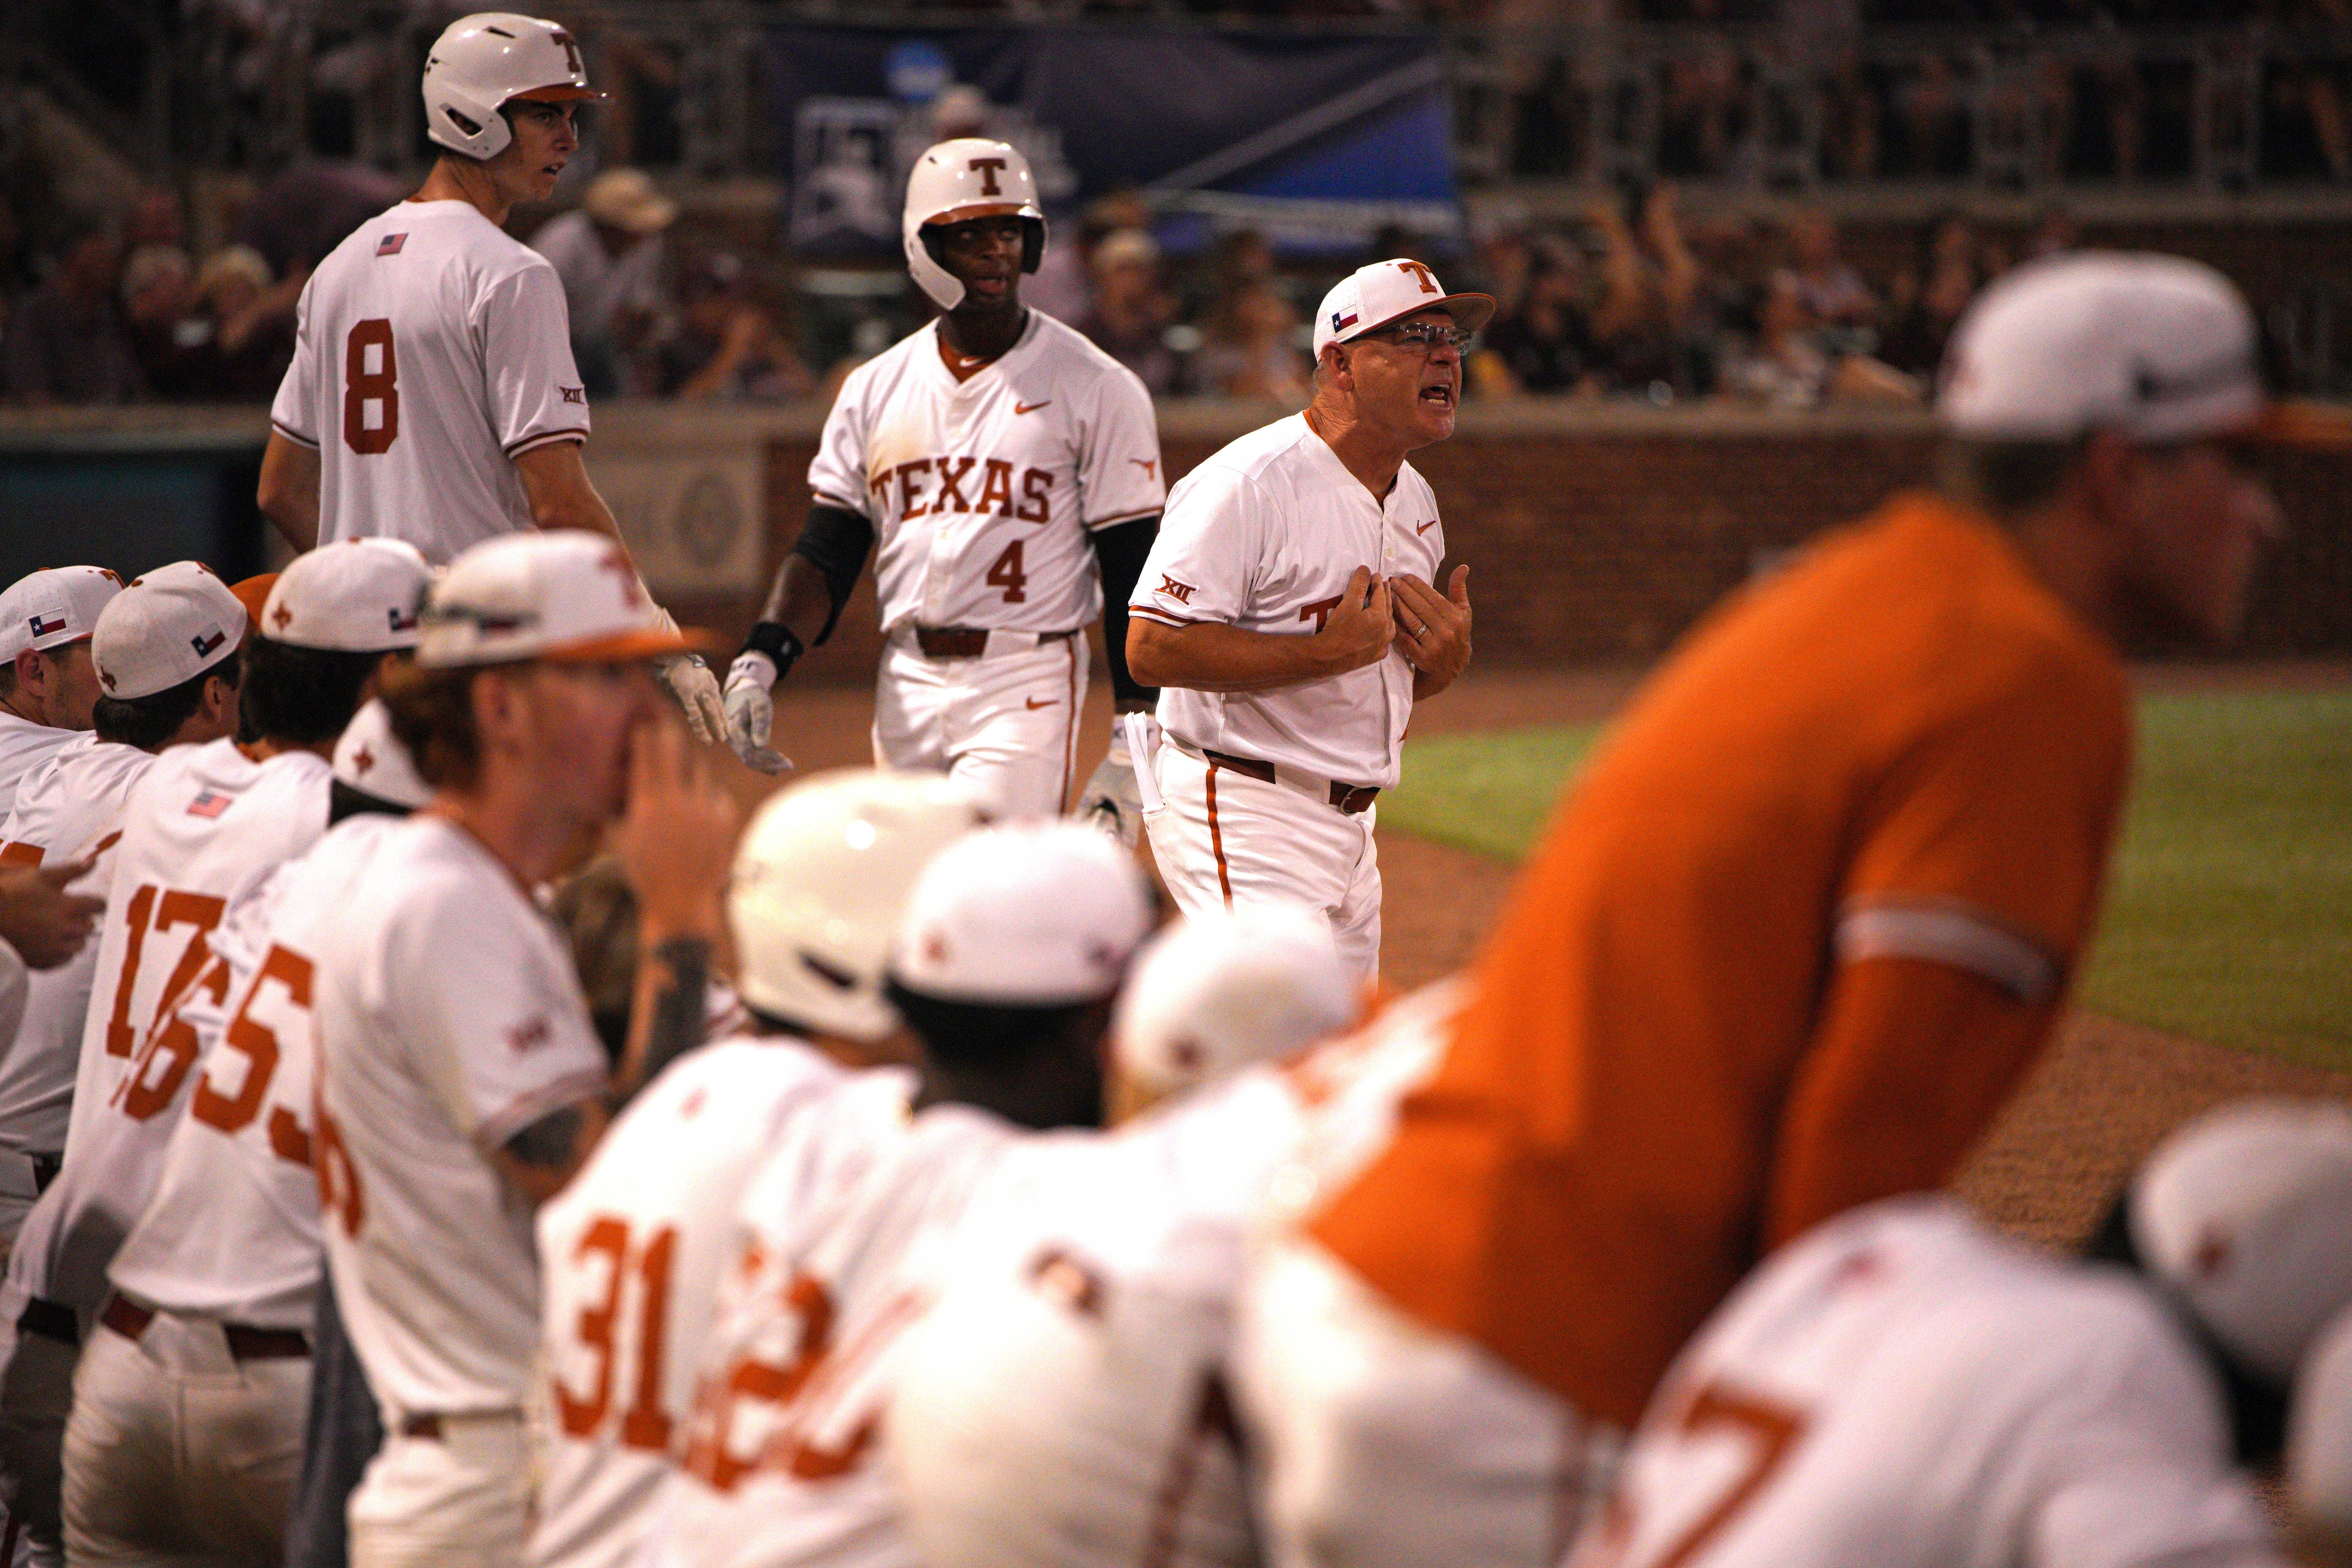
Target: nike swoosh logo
(1030, 407)
(1033, 704)
(1420, 528)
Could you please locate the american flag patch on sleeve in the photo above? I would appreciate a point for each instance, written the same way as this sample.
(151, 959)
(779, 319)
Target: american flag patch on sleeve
(390, 243)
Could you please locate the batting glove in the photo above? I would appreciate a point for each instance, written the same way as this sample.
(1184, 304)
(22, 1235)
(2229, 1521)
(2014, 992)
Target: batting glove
(697, 691)
(1112, 800)
(751, 713)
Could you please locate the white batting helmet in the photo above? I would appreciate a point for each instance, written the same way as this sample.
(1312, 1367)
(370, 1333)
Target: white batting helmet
(483, 61)
(956, 182)
(2246, 1215)
(819, 881)
(1214, 994)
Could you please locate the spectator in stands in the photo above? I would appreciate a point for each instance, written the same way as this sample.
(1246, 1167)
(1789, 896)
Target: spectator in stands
(608, 250)
(1064, 285)
(1831, 293)
(1793, 363)
(157, 218)
(1250, 348)
(1543, 344)
(311, 208)
(1954, 263)
(249, 327)
(1644, 321)
(1503, 256)
(67, 341)
(1131, 309)
(727, 346)
(1931, 119)
(159, 300)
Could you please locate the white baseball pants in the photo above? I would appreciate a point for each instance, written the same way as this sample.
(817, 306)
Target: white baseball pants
(1005, 723)
(1382, 1444)
(459, 1501)
(177, 1452)
(1223, 839)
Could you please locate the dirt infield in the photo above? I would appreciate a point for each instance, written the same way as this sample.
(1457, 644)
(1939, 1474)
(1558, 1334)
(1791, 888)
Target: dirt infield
(2100, 1100)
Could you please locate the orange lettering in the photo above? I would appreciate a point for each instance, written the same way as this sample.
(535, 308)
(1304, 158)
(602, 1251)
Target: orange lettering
(997, 488)
(1035, 487)
(1428, 283)
(951, 483)
(986, 168)
(908, 492)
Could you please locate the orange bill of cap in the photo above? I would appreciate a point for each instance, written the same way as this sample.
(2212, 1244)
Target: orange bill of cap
(644, 642)
(253, 593)
(2309, 426)
(561, 93)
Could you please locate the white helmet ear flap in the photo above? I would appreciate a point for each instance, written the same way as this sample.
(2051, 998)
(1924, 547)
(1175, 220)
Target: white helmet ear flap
(461, 122)
(944, 287)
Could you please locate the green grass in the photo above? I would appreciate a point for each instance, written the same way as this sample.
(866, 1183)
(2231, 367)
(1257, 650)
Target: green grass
(2229, 913)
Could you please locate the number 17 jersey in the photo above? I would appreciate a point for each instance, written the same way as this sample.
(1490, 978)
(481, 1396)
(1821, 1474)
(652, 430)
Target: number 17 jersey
(432, 349)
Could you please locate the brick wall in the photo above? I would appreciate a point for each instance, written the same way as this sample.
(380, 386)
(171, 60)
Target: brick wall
(1601, 534)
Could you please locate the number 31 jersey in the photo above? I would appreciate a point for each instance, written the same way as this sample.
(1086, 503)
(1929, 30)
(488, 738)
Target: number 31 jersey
(982, 492)
(432, 350)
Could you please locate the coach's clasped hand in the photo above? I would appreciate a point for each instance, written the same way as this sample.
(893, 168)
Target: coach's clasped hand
(1432, 629)
(1357, 632)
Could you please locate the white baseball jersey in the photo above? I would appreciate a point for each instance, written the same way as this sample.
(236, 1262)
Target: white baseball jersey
(2319, 1443)
(232, 1231)
(1079, 1359)
(450, 1018)
(1903, 1387)
(632, 1254)
(23, 746)
(1263, 536)
(781, 1463)
(204, 824)
(70, 805)
(431, 351)
(982, 492)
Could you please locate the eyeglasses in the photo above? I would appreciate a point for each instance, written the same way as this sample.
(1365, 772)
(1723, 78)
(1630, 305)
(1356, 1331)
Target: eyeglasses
(1424, 337)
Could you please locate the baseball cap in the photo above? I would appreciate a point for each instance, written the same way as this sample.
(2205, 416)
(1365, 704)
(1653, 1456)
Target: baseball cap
(1372, 297)
(168, 626)
(568, 595)
(2158, 348)
(627, 199)
(2246, 1215)
(358, 596)
(371, 759)
(1029, 914)
(49, 609)
(1215, 993)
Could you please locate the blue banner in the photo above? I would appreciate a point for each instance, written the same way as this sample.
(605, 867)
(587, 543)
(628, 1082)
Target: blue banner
(1317, 142)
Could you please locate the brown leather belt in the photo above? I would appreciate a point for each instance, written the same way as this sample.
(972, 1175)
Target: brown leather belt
(245, 1342)
(968, 642)
(1352, 799)
(425, 1425)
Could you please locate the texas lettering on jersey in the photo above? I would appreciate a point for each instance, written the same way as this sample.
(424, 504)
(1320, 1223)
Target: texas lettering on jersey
(958, 488)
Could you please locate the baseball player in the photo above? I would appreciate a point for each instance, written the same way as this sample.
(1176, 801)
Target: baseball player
(1006, 474)
(461, 1078)
(70, 811)
(1004, 964)
(1077, 1358)
(632, 1252)
(433, 396)
(202, 823)
(1286, 612)
(1904, 1386)
(1795, 934)
(47, 683)
(190, 1401)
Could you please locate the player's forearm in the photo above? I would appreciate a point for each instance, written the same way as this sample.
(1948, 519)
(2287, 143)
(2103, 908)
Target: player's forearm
(555, 482)
(1909, 1066)
(1211, 656)
(666, 1017)
(288, 492)
(799, 601)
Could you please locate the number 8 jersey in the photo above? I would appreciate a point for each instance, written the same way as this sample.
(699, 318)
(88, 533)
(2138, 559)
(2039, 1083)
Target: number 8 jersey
(432, 350)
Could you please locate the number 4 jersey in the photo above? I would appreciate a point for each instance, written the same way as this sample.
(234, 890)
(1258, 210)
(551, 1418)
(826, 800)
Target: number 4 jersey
(630, 1256)
(432, 350)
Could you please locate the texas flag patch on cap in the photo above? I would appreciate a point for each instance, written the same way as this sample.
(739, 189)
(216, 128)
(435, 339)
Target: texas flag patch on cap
(1341, 324)
(390, 243)
(43, 626)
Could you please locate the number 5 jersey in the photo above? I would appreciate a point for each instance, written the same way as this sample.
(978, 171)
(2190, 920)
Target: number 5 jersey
(432, 349)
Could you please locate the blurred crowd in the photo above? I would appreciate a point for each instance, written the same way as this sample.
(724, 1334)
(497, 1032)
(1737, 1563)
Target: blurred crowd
(1633, 298)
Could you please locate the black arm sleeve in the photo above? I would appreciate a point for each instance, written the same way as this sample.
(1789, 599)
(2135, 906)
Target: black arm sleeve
(1120, 551)
(834, 540)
